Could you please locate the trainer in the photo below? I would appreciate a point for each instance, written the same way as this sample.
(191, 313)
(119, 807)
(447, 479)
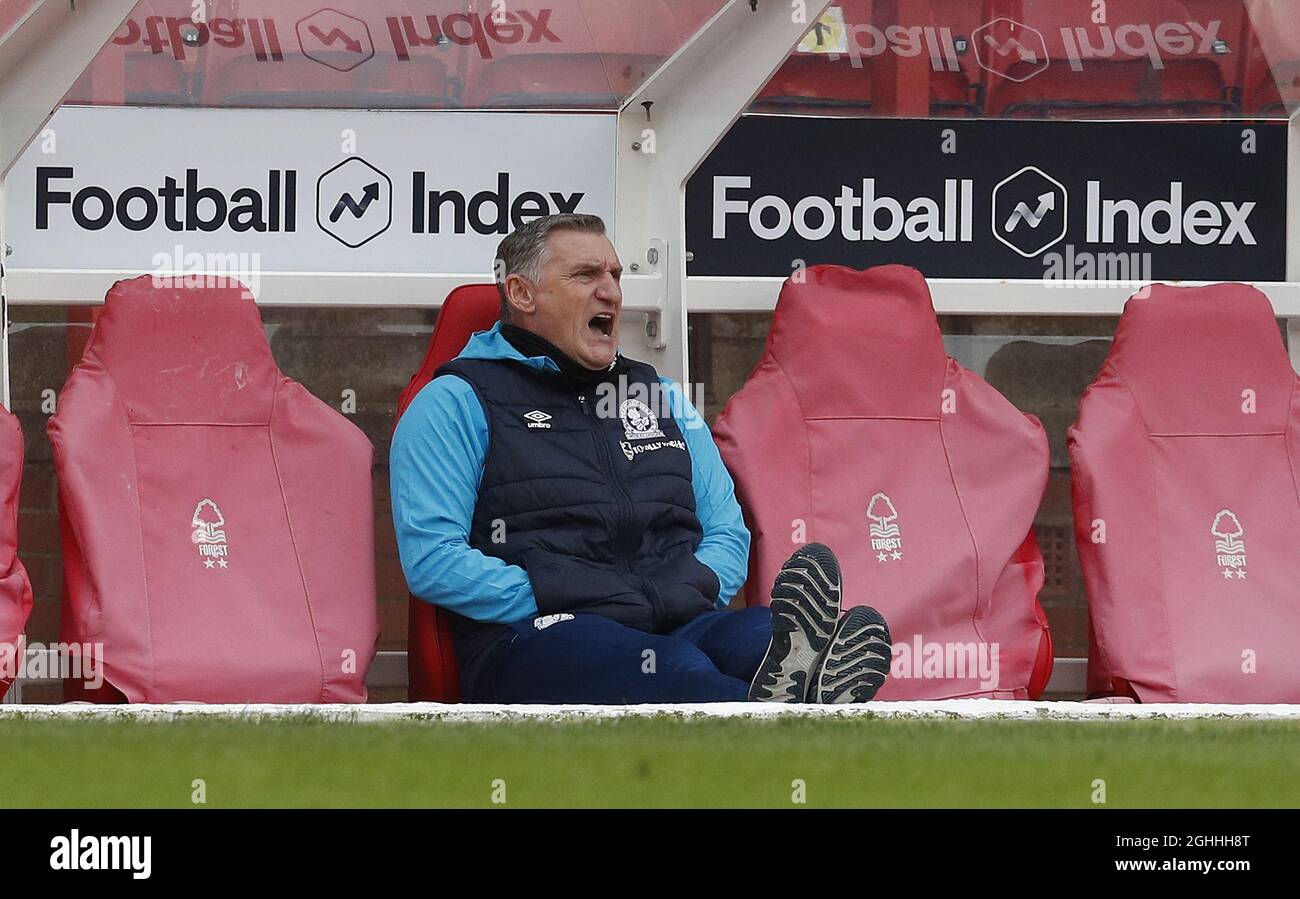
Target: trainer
(568, 509)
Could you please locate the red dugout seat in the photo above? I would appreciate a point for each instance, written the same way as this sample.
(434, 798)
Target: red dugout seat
(1108, 83)
(217, 518)
(432, 675)
(15, 588)
(857, 431)
(815, 84)
(827, 84)
(1187, 512)
(1118, 89)
(297, 82)
(585, 55)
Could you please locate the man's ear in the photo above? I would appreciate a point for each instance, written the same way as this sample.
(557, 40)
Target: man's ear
(520, 294)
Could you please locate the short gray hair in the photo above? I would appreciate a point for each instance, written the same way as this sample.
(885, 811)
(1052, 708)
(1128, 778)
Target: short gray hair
(524, 251)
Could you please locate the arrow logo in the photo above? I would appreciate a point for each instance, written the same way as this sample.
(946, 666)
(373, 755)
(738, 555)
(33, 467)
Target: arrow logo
(1046, 203)
(358, 209)
(336, 34)
(1005, 47)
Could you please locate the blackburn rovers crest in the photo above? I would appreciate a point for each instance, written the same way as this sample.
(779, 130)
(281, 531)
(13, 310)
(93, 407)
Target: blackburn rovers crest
(638, 421)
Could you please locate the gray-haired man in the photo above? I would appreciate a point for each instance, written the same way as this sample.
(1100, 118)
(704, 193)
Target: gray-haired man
(568, 507)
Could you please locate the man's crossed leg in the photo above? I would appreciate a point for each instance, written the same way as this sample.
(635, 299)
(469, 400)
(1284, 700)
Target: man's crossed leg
(798, 650)
(592, 659)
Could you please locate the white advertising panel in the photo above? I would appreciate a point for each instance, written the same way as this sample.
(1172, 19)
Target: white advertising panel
(323, 191)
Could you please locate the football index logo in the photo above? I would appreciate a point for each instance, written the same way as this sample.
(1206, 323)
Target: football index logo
(354, 202)
(1030, 211)
(886, 538)
(208, 536)
(335, 39)
(1010, 49)
(1230, 547)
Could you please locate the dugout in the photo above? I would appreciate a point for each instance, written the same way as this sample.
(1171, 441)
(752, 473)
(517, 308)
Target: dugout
(213, 137)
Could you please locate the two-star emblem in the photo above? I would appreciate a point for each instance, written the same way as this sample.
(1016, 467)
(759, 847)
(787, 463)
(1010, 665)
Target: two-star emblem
(207, 563)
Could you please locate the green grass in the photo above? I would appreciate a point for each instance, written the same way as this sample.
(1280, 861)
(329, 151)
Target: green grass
(650, 762)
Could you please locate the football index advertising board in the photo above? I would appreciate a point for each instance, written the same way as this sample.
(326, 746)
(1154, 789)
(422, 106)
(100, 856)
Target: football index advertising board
(307, 190)
(993, 199)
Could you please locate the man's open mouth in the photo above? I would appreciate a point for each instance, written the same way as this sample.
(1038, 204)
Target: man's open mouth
(602, 324)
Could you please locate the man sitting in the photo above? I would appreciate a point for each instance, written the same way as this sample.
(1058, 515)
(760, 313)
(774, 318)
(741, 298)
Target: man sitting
(568, 509)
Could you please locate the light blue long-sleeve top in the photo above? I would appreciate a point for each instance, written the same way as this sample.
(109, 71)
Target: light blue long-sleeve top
(436, 463)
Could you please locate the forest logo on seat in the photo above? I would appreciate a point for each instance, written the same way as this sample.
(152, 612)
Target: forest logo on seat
(208, 535)
(1229, 546)
(886, 538)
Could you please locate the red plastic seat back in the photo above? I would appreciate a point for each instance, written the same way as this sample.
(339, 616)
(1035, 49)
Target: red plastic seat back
(857, 431)
(15, 588)
(828, 83)
(218, 517)
(1116, 88)
(1100, 70)
(382, 83)
(1185, 461)
(556, 79)
(432, 675)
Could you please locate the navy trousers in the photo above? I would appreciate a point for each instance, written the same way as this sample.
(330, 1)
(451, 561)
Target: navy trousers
(591, 659)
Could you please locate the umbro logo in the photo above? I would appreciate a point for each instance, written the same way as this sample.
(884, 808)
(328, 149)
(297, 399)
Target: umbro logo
(537, 419)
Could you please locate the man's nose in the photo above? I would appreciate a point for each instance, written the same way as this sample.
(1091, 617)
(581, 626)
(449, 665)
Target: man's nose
(608, 288)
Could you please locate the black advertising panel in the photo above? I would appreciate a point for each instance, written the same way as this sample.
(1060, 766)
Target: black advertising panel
(993, 199)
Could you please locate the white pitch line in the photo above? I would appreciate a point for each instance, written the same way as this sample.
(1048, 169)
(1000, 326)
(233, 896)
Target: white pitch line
(960, 709)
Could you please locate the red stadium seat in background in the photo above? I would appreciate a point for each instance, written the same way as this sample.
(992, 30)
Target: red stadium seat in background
(297, 82)
(1265, 91)
(581, 80)
(815, 84)
(432, 675)
(15, 588)
(603, 52)
(829, 84)
(217, 518)
(1187, 452)
(150, 80)
(1272, 78)
(1116, 86)
(855, 426)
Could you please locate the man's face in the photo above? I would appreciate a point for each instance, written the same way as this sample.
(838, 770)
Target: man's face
(576, 303)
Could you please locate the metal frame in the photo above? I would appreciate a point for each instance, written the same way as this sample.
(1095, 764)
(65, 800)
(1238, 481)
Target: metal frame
(685, 108)
(40, 59)
(1293, 232)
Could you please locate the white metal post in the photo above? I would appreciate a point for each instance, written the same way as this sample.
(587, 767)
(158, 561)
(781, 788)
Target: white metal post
(666, 129)
(1293, 229)
(4, 306)
(40, 59)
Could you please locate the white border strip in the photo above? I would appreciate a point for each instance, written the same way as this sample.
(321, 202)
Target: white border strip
(428, 712)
